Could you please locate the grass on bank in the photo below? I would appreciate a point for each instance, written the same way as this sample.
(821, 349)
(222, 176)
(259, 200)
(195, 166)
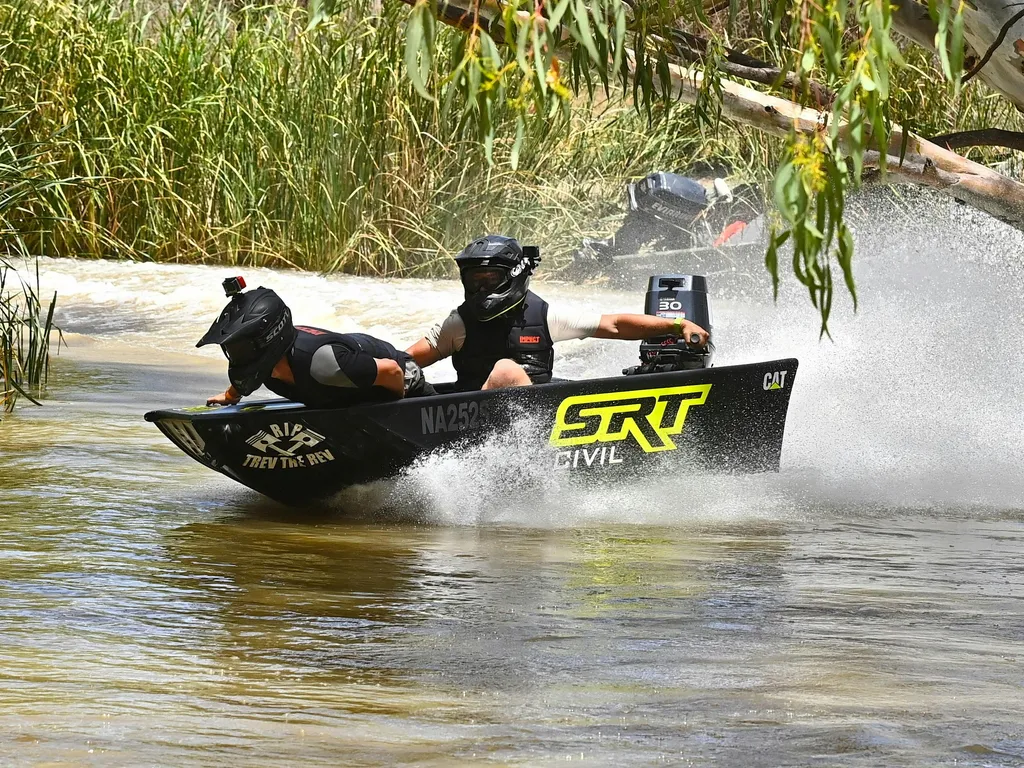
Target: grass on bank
(221, 132)
(202, 132)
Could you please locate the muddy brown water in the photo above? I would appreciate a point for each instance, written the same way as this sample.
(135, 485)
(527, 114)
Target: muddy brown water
(862, 607)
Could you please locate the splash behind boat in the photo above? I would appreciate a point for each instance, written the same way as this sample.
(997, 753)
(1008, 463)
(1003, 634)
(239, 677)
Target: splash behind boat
(671, 413)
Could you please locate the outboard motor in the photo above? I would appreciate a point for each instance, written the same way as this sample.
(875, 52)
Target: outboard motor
(668, 197)
(672, 296)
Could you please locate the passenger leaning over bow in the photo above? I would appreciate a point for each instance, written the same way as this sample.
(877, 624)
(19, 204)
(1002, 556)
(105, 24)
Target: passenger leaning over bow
(502, 334)
(320, 368)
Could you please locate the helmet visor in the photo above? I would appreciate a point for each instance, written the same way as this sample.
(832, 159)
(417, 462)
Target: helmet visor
(241, 352)
(483, 279)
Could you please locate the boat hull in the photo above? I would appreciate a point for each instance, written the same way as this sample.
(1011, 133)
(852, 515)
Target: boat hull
(729, 419)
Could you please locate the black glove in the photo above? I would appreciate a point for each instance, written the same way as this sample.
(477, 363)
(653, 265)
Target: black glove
(415, 384)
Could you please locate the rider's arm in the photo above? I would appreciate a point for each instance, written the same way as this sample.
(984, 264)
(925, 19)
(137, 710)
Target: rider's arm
(339, 365)
(390, 376)
(637, 327)
(443, 340)
(423, 353)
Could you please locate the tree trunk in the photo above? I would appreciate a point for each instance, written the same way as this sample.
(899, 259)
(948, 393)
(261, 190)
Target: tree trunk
(968, 181)
(983, 23)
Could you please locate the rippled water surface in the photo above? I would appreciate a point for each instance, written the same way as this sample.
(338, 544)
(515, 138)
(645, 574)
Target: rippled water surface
(862, 607)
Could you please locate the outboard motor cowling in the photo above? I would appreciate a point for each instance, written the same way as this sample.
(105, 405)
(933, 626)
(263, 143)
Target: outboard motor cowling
(673, 296)
(668, 197)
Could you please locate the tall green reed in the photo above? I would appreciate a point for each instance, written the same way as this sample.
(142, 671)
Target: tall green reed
(26, 327)
(25, 324)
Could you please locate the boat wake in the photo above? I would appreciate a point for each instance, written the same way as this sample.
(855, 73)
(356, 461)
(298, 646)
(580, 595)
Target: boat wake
(511, 480)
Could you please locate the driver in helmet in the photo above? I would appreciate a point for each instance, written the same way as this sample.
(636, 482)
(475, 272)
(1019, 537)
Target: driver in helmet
(319, 368)
(503, 334)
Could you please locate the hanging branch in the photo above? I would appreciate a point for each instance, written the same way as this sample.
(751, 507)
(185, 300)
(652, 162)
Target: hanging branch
(983, 137)
(693, 49)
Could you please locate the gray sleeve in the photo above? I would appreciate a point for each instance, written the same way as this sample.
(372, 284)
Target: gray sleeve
(448, 336)
(325, 369)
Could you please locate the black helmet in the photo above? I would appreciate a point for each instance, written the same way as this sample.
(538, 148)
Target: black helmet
(495, 272)
(255, 331)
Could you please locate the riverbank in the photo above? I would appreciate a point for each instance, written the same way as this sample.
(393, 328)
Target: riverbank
(216, 133)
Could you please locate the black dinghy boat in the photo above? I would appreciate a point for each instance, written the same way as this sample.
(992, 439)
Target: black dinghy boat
(671, 413)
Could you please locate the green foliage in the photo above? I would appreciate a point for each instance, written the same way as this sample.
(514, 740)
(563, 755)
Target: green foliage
(812, 182)
(847, 45)
(809, 192)
(201, 133)
(26, 327)
(527, 75)
(949, 40)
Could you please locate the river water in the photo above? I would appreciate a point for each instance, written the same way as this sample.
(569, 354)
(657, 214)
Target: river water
(862, 607)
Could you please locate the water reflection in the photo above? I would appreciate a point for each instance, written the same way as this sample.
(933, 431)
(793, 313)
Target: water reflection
(298, 596)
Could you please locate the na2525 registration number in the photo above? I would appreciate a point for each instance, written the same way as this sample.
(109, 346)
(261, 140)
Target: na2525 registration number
(452, 417)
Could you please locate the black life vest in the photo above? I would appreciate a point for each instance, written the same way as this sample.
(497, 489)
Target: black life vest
(308, 390)
(521, 335)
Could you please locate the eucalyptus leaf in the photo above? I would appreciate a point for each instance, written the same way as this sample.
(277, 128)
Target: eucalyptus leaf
(417, 52)
(555, 16)
(517, 146)
(845, 258)
(581, 31)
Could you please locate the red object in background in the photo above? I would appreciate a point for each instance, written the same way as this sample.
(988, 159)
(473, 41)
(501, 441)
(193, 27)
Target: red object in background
(730, 231)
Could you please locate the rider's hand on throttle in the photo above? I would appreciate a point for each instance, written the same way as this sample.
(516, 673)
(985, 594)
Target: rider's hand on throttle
(689, 329)
(228, 397)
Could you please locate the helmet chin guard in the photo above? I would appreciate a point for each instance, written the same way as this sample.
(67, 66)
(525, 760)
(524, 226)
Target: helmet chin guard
(501, 253)
(254, 331)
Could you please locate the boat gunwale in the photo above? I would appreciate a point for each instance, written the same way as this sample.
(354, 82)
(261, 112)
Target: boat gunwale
(212, 413)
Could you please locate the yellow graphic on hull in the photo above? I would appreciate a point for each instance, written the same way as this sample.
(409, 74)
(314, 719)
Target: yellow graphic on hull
(650, 416)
